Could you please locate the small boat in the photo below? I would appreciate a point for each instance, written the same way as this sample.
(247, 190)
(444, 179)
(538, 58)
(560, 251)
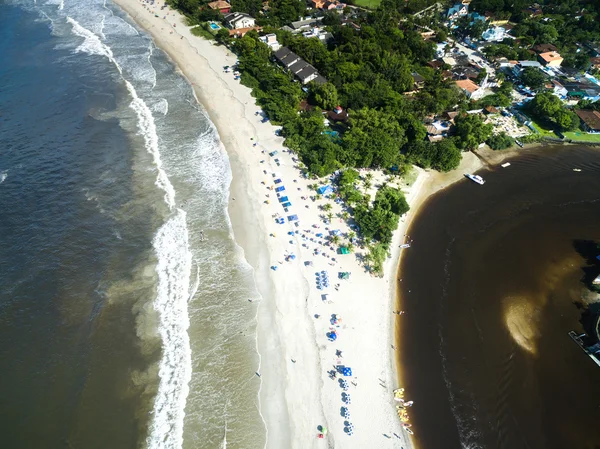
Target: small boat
(518, 142)
(410, 432)
(475, 178)
(506, 164)
(577, 169)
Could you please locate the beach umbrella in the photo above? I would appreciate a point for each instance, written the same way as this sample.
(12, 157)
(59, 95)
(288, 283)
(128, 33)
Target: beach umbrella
(347, 371)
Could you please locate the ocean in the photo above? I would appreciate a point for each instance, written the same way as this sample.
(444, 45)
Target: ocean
(124, 319)
(491, 286)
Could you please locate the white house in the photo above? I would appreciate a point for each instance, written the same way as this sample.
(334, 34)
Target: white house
(271, 41)
(457, 11)
(471, 90)
(494, 34)
(236, 21)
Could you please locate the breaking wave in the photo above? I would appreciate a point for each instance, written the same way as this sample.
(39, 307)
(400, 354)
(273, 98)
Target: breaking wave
(173, 269)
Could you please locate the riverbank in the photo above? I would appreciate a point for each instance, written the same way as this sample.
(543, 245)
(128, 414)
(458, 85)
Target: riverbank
(490, 295)
(297, 394)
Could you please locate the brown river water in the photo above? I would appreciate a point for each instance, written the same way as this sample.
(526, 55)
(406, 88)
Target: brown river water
(491, 286)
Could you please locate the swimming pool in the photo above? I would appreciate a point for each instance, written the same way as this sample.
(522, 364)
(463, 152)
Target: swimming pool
(214, 26)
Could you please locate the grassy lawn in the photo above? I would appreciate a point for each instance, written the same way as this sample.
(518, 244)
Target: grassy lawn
(202, 32)
(543, 131)
(582, 136)
(366, 3)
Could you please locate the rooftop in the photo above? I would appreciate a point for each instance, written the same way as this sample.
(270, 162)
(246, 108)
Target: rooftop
(467, 85)
(544, 48)
(590, 118)
(551, 56)
(219, 4)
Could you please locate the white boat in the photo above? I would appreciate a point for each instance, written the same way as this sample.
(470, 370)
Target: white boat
(475, 178)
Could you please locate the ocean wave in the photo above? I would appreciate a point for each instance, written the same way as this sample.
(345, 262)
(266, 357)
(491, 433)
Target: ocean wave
(150, 53)
(147, 128)
(175, 370)
(171, 245)
(161, 106)
(3, 176)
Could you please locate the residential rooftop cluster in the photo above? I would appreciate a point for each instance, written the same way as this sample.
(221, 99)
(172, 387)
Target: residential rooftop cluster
(519, 71)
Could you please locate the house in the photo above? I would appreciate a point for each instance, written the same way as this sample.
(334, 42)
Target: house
(476, 17)
(327, 5)
(544, 48)
(551, 58)
(590, 120)
(319, 33)
(298, 66)
(457, 11)
(582, 90)
(559, 90)
(522, 65)
(595, 62)
(494, 34)
(471, 90)
(241, 32)
(222, 6)
(418, 80)
(305, 24)
(435, 64)
(490, 110)
(337, 115)
(271, 41)
(236, 21)
(534, 10)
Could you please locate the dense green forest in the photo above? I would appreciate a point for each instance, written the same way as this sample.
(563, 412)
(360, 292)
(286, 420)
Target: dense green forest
(369, 74)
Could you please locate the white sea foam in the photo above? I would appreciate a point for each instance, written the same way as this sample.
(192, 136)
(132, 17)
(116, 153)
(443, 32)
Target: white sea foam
(150, 52)
(173, 269)
(147, 129)
(175, 370)
(161, 106)
(92, 44)
(3, 176)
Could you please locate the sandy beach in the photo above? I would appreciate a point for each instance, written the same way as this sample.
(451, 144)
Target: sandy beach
(298, 393)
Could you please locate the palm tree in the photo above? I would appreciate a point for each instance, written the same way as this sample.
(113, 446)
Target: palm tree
(367, 184)
(350, 247)
(335, 239)
(369, 177)
(351, 235)
(345, 216)
(329, 216)
(327, 207)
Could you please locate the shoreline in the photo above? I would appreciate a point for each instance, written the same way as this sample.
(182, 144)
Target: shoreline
(289, 298)
(472, 162)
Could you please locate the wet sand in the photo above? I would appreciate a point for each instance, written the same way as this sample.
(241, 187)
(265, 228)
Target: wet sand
(491, 286)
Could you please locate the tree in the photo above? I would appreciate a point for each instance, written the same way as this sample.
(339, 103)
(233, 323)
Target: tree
(324, 95)
(471, 131)
(500, 141)
(374, 137)
(222, 35)
(326, 207)
(533, 77)
(566, 120)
